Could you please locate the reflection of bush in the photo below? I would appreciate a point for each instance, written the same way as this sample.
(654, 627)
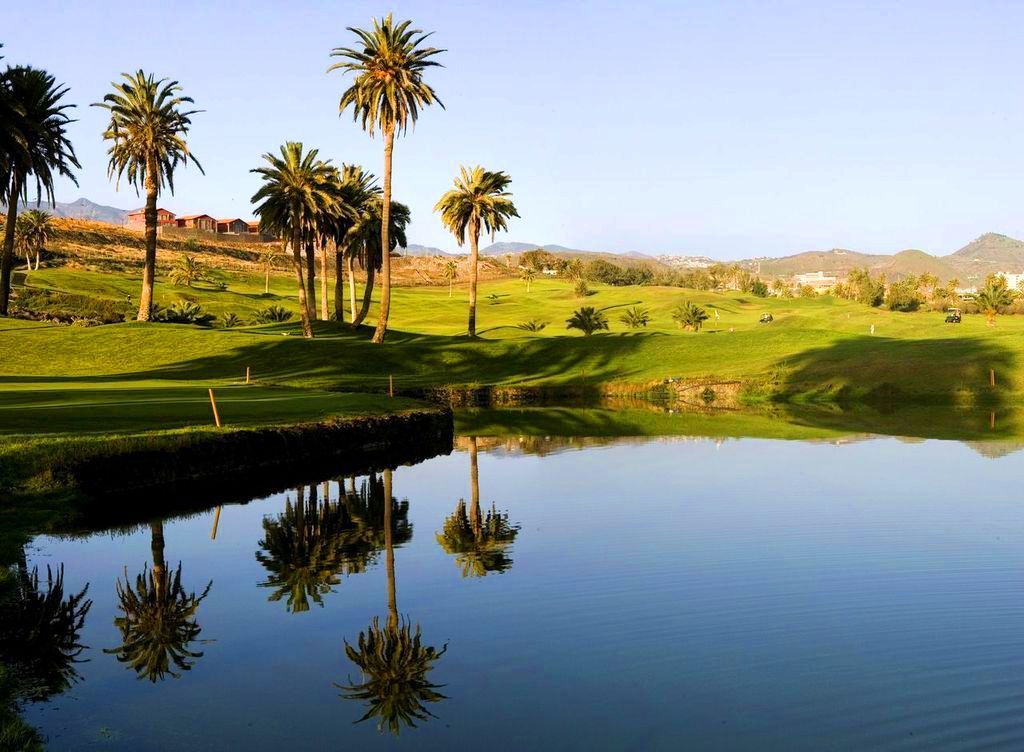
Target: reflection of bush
(479, 543)
(394, 665)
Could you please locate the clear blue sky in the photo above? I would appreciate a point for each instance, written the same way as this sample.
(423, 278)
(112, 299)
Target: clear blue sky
(732, 129)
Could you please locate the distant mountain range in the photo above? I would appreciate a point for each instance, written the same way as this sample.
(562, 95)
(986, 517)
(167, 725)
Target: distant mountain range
(988, 253)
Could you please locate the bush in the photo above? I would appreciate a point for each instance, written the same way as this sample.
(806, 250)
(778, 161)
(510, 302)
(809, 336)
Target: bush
(689, 316)
(230, 321)
(183, 312)
(903, 296)
(759, 289)
(581, 290)
(533, 325)
(68, 307)
(272, 314)
(636, 317)
(588, 320)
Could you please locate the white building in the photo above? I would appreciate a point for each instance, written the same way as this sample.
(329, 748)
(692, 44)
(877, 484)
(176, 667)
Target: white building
(1012, 280)
(817, 280)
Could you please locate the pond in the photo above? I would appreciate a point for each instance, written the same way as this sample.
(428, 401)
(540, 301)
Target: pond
(536, 592)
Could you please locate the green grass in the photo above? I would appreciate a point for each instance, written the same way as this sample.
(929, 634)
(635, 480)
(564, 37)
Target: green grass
(137, 375)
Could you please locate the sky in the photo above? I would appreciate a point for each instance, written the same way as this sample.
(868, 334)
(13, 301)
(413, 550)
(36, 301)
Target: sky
(731, 129)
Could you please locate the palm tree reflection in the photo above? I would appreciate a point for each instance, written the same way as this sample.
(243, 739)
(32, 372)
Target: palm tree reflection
(158, 623)
(39, 632)
(479, 542)
(393, 661)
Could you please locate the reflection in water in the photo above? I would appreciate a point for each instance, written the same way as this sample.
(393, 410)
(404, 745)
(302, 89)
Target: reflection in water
(479, 542)
(158, 623)
(312, 543)
(392, 659)
(39, 633)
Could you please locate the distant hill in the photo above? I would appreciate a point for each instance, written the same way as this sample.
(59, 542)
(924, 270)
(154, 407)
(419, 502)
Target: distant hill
(418, 251)
(838, 261)
(83, 208)
(913, 263)
(989, 253)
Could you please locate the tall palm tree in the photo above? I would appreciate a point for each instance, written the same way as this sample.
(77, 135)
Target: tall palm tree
(296, 191)
(371, 257)
(450, 272)
(157, 622)
(358, 188)
(387, 94)
(392, 659)
(33, 229)
(479, 201)
(37, 148)
(147, 130)
(994, 297)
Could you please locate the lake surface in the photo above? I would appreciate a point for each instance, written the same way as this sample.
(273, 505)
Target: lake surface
(642, 594)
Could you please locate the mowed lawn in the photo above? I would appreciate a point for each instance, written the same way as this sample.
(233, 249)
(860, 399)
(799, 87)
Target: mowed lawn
(817, 347)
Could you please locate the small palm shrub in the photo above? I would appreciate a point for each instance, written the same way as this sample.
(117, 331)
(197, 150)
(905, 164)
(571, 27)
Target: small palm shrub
(588, 320)
(187, 271)
(636, 317)
(533, 325)
(581, 289)
(184, 312)
(230, 321)
(272, 314)
(689, 316)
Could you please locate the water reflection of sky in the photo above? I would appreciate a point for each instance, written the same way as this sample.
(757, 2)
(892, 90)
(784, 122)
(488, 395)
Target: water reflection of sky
(665, 594)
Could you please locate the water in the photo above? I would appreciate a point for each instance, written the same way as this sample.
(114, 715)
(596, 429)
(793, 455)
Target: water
(655, 594)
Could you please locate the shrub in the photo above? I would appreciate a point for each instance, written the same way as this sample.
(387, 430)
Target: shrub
(533, 325)
(183, 312)
(230, 321)
(187, 271)
(689, 316)
(588, 320)
(272, 314)
(67, 307)
(759, 289)
(636, 317)
(903, 296)
(581, 290)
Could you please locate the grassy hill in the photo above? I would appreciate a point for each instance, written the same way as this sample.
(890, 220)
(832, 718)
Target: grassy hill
(987, 254)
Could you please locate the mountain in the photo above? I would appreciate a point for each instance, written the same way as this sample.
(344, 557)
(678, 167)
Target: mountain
(508, 246)
(989, 253)
(414, 250)
(913, 263)
(838, 261)
(83, 208)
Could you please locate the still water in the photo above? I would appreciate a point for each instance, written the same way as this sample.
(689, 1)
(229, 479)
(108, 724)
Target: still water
(655, 594)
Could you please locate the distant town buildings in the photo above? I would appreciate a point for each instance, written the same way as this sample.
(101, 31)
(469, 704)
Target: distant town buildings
(817, 280)
(1012, 280)
(198, 222)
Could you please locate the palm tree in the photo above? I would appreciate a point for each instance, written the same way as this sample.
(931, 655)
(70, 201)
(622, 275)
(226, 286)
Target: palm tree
(478, 542)
(528, 274)
(392, 659)
(37, 147)
(157, 622)
(268, 258)
(588, 320)
(450, 272)
(33, 230)
(355, 189)
(147, 130)
(186, 271)
(479, 201)
(689, 316)
(388, 92)
(994, 297)
(296, 191)
(370, 255)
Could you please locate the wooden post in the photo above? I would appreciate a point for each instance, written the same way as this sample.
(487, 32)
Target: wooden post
(213, 404)
(992, 420)
(247, 374)
(216, 521)
(391, 385)
(992, 377)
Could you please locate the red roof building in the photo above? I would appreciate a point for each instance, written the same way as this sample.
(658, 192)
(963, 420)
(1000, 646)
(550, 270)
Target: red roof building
(137, 219)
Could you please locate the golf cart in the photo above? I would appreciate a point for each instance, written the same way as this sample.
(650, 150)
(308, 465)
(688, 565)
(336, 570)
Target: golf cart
(953, 316)
(766, 318)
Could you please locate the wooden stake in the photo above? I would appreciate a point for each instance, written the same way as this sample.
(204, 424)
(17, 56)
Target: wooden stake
(247, 374)
(992, 420)
(216, 521)
(391, 385)
(992, 377)
(213, 404)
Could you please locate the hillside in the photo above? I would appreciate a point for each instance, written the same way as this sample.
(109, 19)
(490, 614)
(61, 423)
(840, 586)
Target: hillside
(83, 208)
(838, 261)
(989, 253)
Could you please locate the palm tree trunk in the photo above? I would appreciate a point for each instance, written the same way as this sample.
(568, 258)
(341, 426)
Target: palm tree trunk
(266, 279)
(474, 257)
(385, 241)
(7, 260)
(324, 313)
(149, 267)
(451, 284)
(307, 327)
(311, 278)
(39, 253)
(367, 296)
(350, 267)
(389, 545)
(156, 547)
(339, 284)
